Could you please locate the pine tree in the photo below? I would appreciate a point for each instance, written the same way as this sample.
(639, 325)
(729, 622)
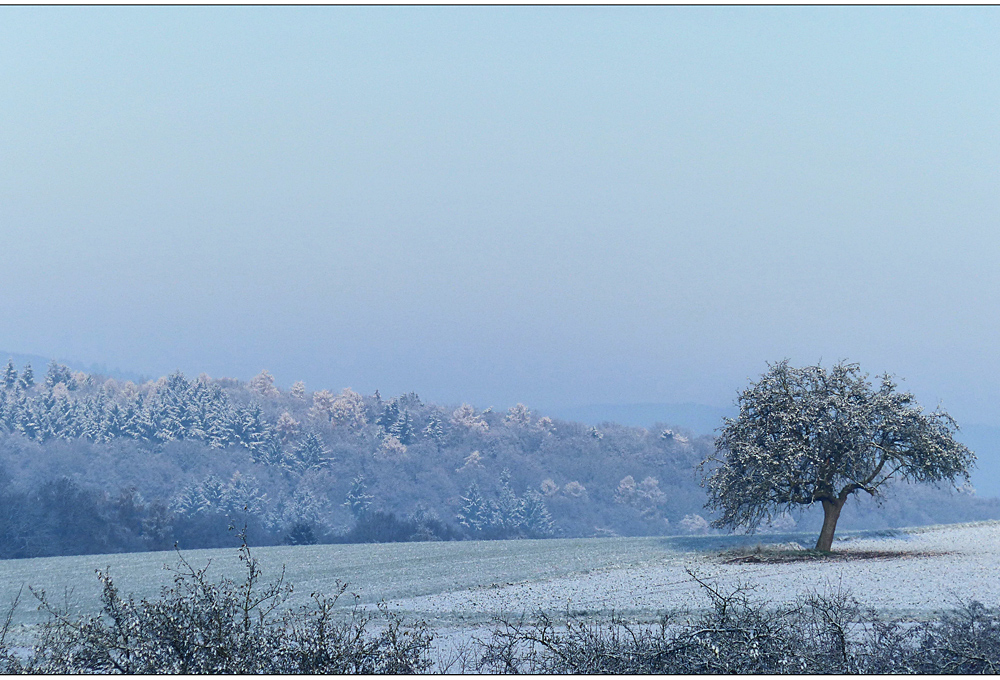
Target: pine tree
(10, 375)
(301, 533)
(57, 373)
(243, 495)
(170, 408)
(27, 380)
(45, 404)
(195, 410)
(115, 421)
(402, 429)
(434, 429)
(213, 490)
(62, 418)
(358, 500)
(304, 506)
(271, 453)
(249, 427)
(508, 518)
(221, 418)
(389, 417)
(29, 420)
(537, 519)
(301, 518)
(310, 452)
(189, 502)
(88, 422)
(476, 512)
(4, 413)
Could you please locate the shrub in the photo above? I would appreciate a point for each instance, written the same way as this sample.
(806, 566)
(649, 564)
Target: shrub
(200, 626)
(821, 633)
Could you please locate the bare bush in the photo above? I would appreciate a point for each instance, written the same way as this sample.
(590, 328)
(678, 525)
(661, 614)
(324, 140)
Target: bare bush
(201, 626)
(820, 633)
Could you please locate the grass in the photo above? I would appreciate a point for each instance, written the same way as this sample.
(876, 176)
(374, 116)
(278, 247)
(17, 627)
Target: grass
(761, 554)
(373, 571)
(379, 571)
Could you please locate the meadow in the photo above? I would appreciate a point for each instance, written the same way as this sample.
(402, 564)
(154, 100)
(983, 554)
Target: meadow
(458, 587)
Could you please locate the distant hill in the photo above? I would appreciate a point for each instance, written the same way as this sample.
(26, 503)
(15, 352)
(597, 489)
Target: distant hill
(39, 364)
(985, 441)
(701, 419)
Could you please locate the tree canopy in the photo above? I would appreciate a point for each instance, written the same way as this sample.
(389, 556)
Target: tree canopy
(809, 435)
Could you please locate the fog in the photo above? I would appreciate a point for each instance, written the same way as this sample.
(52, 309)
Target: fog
(558, 206)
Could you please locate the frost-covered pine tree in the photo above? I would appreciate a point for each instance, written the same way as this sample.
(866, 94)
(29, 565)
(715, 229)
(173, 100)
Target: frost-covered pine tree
(389, 416)
(537, 519)
(27, 379)
(250, 429)
(508, 515)
(299, 518)
(57, 373)
(62, 417)
(221, 417)
(189, 502)
(298, 390)
(243, 495)
(115, 421)
(358, 499)
(90, 418)
(402, 429)
(434, 429)
(194, 415)
(30, 419)
(170, 407)
(139, 420)
(808, 435)
(310, 453)
(213, 490)
(476, 513)
(10, 375)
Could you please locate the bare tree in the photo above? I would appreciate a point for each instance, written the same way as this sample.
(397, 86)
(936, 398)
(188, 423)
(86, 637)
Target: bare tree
(808, 435)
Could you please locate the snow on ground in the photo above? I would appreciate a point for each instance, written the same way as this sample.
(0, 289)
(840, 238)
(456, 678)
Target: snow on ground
(938, 566)
(458, 587)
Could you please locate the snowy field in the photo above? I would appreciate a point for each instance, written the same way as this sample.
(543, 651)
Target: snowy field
(934, 568)
(459, 586)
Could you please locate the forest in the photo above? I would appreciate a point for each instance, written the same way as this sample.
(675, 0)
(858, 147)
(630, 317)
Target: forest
(91, 464)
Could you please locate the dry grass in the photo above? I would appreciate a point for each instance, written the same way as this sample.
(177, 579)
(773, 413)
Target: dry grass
(761, 554)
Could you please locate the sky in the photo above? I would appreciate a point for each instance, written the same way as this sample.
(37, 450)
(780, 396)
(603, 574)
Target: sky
(553, 205)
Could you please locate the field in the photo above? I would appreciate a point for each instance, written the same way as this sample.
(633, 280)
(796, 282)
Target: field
(458, 586)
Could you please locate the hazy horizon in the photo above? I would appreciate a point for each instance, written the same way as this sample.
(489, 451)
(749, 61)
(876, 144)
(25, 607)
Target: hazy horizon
(561, 206)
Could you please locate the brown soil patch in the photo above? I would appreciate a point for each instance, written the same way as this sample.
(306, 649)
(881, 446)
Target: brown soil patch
(783, 556)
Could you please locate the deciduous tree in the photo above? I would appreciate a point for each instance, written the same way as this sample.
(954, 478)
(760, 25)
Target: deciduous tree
(809, 435)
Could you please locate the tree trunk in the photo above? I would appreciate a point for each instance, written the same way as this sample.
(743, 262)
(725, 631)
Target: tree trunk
(831, 513)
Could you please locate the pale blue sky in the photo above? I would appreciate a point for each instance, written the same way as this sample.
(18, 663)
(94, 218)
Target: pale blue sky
(552, 205)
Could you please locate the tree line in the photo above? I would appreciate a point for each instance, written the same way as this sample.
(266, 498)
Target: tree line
(90, 464)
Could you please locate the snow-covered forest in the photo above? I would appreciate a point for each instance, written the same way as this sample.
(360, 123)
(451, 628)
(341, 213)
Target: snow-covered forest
(90, 464)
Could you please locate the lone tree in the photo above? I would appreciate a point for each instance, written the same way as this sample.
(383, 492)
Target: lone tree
(808, 435)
